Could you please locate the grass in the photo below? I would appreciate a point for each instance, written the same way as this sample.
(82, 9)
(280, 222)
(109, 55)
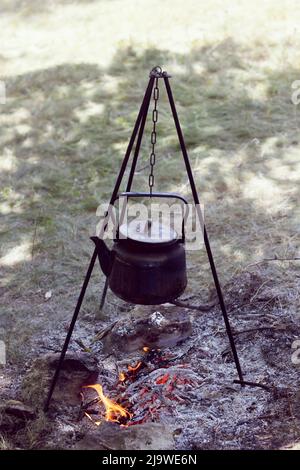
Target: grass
(4, 444)
(73, 91)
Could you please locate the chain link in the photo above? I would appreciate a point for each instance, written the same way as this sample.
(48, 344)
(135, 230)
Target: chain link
(153, 135)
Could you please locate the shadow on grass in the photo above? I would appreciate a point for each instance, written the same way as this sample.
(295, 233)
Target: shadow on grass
(27, 8)
(63, 136)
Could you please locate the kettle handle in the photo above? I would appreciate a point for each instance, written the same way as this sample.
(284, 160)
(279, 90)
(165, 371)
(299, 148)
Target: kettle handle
(162, 195)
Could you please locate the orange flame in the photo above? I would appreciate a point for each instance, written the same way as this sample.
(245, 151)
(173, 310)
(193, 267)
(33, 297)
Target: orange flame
(134, 368)
(113, 411)
(146, 349)
(91, 419)
(122, 376)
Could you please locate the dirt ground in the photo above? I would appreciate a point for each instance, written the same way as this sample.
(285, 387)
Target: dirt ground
(72, 93)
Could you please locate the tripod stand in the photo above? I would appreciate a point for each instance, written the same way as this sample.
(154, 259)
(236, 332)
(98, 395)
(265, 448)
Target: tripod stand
(137, 135)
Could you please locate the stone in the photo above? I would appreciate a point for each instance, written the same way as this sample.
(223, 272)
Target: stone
(14, 414)
(154, 327)
(77, 370)
(111, 436)
(18, 409)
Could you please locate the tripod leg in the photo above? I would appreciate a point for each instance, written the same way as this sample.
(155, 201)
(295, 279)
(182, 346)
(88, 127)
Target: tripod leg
(140, 136)
(93, 259)
(71, 328)
(206, 240)
(222, 305)
(130, 144)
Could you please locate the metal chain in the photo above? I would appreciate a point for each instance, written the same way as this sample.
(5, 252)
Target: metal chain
(153, 134)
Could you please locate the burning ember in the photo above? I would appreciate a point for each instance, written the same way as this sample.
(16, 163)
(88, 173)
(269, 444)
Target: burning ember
(146, 387)
(135, 368)
(122, 376)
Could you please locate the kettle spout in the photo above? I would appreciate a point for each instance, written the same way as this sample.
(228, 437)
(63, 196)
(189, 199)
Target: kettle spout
(105, 256)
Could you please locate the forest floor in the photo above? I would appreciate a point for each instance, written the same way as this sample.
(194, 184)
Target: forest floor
(73, 89)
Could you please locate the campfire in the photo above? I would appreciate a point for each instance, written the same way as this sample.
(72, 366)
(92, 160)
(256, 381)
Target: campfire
(141, 391)
(113, 411)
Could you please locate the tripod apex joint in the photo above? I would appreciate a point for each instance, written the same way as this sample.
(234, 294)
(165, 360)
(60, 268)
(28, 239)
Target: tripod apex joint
(157, 72)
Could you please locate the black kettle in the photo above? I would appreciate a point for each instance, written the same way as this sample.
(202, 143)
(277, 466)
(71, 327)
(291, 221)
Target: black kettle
(147, 263)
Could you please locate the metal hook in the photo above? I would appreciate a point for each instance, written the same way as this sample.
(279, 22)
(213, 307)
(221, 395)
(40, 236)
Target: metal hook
(157, 69)
(158, 72)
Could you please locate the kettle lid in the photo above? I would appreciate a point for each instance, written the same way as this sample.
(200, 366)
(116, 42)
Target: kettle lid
(147, 231)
